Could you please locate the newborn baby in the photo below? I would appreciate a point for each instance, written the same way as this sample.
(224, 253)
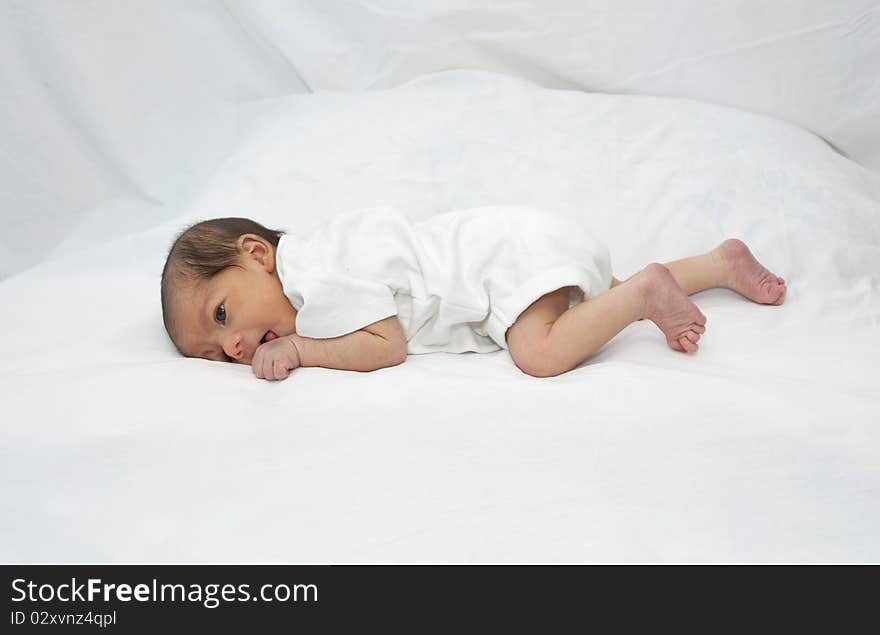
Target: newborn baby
(370, 287)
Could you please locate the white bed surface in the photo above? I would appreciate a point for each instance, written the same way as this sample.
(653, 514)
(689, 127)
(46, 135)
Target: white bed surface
(764, 446)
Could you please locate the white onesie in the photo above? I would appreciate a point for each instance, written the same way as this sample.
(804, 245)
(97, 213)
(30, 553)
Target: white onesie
(456, 281)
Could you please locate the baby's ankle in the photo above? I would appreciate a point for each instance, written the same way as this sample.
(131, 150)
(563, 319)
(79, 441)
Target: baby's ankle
(723, 264)
(647, 283)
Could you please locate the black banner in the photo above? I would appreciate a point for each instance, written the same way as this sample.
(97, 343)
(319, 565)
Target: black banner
(324, 598)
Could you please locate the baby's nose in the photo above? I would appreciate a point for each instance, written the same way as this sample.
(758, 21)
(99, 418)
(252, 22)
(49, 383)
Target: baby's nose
(232, 346)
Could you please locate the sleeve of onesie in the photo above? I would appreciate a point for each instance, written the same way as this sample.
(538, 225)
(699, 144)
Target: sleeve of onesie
(336, 304)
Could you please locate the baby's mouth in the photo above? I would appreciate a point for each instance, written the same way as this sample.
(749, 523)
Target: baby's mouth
(268, 337)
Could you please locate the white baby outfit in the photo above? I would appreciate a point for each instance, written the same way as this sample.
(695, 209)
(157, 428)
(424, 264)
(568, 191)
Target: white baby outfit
(456, 281)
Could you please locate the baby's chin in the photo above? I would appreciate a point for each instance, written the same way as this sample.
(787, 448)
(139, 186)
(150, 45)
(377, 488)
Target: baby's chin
(286, 324)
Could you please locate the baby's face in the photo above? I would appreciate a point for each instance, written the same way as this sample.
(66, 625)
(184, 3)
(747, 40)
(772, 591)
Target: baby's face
(228, 317)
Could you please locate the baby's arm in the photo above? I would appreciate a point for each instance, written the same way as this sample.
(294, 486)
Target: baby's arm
(375, 346)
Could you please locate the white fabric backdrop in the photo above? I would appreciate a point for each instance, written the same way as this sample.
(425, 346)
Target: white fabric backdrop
(113, 111)
(810, 62)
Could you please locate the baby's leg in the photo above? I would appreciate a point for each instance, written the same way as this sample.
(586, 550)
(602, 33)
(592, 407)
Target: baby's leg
(732, 266)
(699, 273)
(549, 339)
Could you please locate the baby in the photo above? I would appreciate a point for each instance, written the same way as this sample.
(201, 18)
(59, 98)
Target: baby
(371, 287)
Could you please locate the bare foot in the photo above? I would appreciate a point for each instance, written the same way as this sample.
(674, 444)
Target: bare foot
(747, 276)
(668, 306)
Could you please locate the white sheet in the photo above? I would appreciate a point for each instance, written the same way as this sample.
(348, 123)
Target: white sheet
(764, 446)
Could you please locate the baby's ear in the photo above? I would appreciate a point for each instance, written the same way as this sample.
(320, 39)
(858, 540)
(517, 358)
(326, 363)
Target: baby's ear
(253, 246)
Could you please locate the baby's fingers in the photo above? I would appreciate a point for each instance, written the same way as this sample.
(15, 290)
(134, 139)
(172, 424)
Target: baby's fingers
(280, 368)
(257, 364)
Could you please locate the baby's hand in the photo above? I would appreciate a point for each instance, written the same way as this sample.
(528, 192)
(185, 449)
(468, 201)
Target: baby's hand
(275, 359)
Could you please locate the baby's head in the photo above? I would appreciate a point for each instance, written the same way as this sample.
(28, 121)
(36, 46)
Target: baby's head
(221, 294)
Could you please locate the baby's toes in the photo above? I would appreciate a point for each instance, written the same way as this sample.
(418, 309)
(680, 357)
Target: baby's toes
(688, 345)
(693, 335)
(781, 297)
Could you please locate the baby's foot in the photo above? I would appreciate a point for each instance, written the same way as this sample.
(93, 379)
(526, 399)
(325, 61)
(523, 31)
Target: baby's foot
(668, 306)
(747, 276)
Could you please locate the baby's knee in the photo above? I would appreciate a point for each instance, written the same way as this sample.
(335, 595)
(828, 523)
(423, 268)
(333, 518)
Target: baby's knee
(535, 364)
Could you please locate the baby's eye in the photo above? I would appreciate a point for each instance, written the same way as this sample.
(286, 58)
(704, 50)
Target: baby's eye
(220, 313)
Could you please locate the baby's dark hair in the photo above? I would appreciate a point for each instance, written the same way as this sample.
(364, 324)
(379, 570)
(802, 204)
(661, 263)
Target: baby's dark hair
(199, 253)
